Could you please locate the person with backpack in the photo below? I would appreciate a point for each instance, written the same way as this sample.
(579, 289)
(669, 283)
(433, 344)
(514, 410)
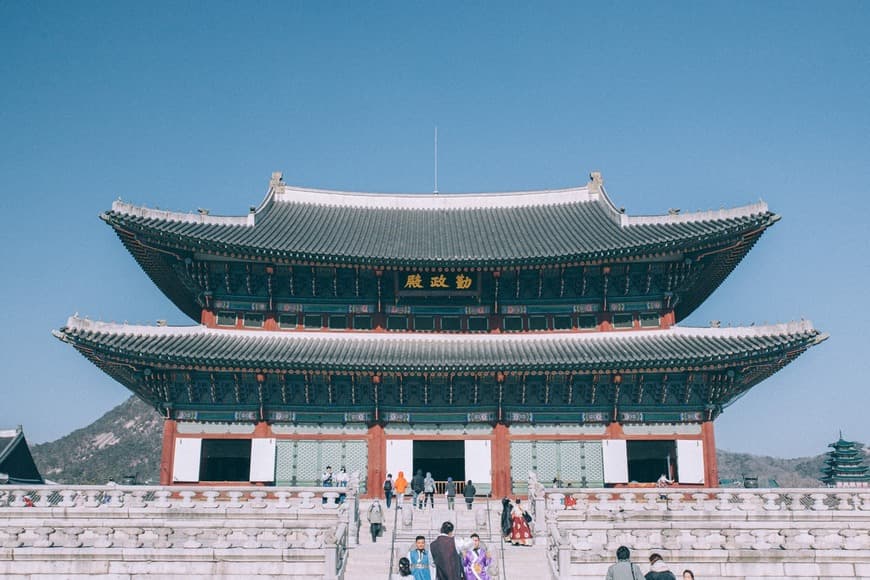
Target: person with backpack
(450, 492)
(624, 569)
(388, 489)
(376, 520)
(429, 491)
(417, 489)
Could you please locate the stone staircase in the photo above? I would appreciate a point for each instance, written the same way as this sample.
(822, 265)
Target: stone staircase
(371, 561)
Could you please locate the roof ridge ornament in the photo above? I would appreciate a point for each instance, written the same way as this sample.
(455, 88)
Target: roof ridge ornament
(277, 180)
(595, 182)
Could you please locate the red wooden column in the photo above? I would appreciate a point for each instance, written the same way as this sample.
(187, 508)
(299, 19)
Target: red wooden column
(167, 455)
(208, 318)
(614, 431)
(711, 465)
(377, 468)
(263, 430)
(501, 461)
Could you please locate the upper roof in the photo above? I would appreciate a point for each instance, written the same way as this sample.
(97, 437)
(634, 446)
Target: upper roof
(437, 230)
(217, 349)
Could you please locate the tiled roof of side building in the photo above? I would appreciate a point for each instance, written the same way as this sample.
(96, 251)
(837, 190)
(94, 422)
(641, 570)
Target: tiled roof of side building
(209, 348)
(447, 230)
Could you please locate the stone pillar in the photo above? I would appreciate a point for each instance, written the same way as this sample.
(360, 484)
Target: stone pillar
(711, 466)
(168, 453)
(501, 462)
(377, 467)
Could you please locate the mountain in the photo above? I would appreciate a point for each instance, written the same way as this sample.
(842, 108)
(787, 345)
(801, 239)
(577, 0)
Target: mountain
(127, 440)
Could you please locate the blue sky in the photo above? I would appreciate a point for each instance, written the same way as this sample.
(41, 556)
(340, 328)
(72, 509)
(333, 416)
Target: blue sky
(693, 105)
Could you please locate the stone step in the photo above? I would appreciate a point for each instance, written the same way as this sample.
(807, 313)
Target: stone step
(372, 560)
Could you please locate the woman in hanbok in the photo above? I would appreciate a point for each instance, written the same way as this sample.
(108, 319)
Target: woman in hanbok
(521, 535)
(506, 520)
(476, 560)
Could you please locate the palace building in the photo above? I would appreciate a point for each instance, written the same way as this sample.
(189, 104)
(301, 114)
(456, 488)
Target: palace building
(477, 336)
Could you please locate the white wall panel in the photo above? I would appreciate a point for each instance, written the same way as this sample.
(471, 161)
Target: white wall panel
(262, 459)
(690, 461)
(615, 460)
(478, 461)
(400, 457)
(185, 465)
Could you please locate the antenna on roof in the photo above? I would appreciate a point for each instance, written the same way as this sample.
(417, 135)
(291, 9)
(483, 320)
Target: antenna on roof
(436, 159)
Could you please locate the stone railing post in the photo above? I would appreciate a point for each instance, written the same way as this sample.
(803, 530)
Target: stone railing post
(352, 501)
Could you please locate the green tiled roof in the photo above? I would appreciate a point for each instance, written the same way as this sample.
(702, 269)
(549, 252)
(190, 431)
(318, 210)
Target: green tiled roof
(448, 230)
(208, 348)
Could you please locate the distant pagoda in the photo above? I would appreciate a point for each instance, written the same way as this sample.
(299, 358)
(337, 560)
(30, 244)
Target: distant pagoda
(845, 465)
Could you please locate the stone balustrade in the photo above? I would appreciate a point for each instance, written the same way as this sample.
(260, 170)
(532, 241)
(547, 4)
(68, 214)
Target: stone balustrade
(197, 531)
(718, 533)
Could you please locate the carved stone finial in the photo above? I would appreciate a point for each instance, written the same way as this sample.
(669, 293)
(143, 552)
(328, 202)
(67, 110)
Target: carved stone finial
(595, 182)
(277, 180)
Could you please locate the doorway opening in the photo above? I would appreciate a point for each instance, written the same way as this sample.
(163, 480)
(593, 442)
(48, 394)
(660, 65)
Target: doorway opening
(648, 460)
(442, 458)
(225, 460)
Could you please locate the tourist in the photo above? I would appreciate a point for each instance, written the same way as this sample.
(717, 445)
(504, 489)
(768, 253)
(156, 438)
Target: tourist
(623, 569)
(664, 481)
(400, 487)
(469, 492)
(476, 561)
(658, 570)
(450, 492)
(448, 566)
(417, 489)
(388, 489)
(429, 491)
(521, 534)
(688, 575)
(326, 479)
(376, 520)
(404, 568)
(506, 523)
(341, 480)
(420, 560)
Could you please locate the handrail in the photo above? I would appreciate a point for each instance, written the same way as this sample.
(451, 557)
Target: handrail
(393, 541)
(441, 487)
(501, 539)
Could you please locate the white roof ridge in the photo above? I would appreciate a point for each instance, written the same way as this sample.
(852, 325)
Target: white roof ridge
(709, 215)
(434, 201)
(794, 327)
(125, 208)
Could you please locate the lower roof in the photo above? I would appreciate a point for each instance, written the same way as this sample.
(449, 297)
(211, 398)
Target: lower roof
(203, 348)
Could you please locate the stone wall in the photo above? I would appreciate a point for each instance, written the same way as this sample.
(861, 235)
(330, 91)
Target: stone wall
(818, 534)
(197, 532)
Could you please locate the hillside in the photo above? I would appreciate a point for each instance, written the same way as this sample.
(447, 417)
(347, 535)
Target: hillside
(127, 439)
(124, 441)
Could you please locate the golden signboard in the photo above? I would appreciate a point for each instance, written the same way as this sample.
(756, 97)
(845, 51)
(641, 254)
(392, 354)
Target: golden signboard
(423, 282)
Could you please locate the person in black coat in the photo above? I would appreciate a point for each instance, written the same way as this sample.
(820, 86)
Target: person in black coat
(506, 508)
(448, 566)
(469, 493)
(658, 570)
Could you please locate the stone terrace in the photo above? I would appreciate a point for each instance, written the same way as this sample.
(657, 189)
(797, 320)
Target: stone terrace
(235, 532)
(198, 532)
(818, 534)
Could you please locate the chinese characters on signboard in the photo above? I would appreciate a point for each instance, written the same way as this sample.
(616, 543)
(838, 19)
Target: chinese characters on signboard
(436, 282)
